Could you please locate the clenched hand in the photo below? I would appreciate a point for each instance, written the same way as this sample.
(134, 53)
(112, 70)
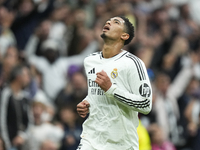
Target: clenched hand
(103, 80)
(83, 108)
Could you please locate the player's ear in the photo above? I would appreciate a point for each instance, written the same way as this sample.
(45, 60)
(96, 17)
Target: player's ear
(125, 36)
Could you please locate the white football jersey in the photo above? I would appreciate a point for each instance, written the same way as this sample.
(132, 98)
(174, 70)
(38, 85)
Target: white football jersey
(113, 118)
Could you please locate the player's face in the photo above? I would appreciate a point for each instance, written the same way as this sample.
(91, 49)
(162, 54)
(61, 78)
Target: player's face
(113, 29)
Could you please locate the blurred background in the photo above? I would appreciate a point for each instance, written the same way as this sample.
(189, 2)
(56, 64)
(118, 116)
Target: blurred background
(42, 47)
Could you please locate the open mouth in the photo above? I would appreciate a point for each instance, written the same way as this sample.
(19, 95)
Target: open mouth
(106, 28)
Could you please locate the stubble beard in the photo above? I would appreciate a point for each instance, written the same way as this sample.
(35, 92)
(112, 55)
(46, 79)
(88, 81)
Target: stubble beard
(103, 36)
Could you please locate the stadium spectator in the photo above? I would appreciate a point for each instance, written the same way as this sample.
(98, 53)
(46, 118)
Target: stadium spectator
(72, 128)
(158, 139)
(42, 129)
(54, 67)
(15, 109)
(9, 60)
(29, 14)
(144, 139)
(49, 145)
(74, 91)
(6, 35)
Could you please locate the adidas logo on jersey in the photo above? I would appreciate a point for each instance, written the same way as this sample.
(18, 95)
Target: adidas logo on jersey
(92, 71)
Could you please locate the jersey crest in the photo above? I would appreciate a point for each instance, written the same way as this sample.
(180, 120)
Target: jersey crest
(114, 73)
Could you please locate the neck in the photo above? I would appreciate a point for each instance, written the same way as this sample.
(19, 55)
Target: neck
(38, 121)
(15, 87)
(111, 49)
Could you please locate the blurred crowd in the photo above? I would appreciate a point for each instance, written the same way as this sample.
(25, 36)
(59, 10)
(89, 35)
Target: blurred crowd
(43, 44)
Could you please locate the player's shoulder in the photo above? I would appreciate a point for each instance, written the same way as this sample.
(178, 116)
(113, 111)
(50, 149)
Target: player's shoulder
(136, 65)
(95, 54)
(132, 58)
(92, 56)
(132, 61)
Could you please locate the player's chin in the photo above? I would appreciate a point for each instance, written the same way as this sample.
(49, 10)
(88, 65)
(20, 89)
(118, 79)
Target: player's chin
(103, 35)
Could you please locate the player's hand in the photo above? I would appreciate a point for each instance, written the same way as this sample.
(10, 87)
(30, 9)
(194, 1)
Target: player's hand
(83, 108)
(103, 80)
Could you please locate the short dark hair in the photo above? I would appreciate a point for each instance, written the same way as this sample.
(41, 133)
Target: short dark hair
(129, 29)
(16, 71)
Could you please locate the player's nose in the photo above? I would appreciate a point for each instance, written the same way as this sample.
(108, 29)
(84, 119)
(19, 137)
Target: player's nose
(108, 22)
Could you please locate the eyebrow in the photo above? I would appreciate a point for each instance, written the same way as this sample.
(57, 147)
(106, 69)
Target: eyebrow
(115, 20)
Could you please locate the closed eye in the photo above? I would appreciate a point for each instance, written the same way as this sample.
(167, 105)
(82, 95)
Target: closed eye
(116, 21)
